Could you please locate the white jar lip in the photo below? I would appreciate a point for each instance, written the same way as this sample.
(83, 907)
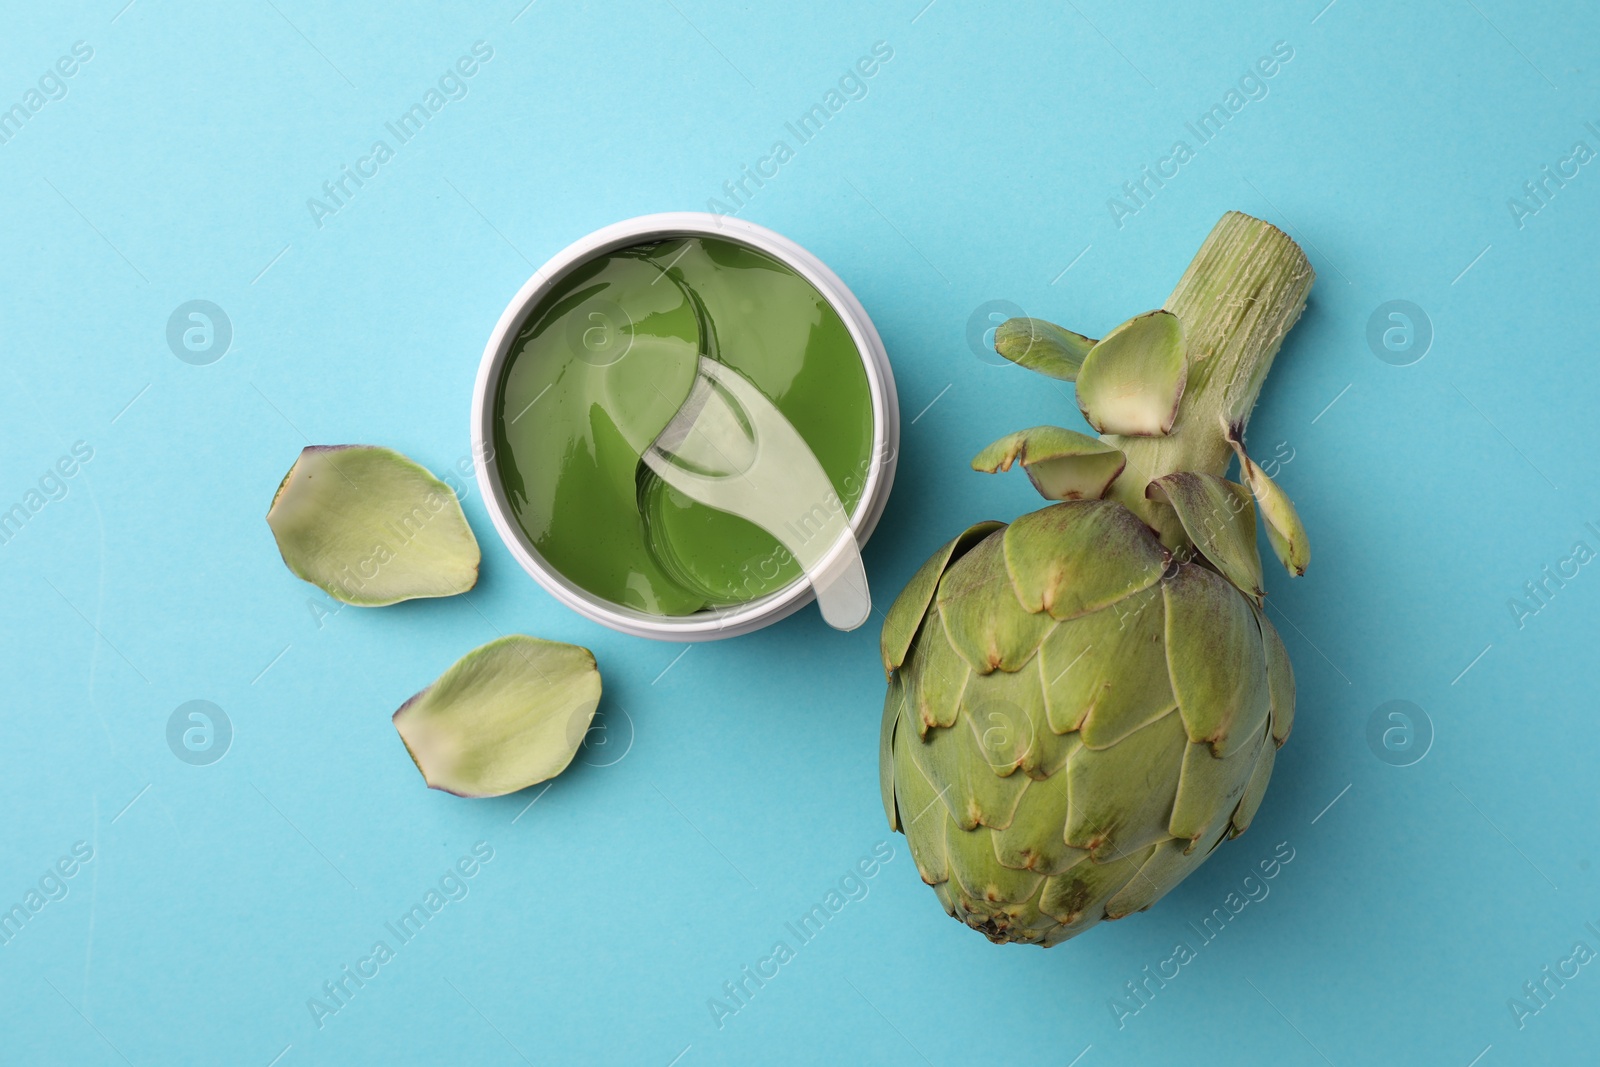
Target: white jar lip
(723, 622)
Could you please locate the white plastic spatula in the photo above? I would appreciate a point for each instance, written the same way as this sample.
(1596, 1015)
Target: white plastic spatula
(729, 448)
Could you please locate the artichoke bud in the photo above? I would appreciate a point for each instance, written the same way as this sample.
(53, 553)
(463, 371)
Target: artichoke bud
(1084, 703)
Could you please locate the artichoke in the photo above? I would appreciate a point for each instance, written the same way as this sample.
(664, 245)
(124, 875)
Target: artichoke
(1084, 703)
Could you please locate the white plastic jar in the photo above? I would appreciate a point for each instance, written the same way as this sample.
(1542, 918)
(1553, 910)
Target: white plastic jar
(708, 625)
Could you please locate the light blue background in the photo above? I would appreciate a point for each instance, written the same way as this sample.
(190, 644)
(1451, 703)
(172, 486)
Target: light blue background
(978, 167)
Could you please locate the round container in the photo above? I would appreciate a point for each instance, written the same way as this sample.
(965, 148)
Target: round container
(707, 625)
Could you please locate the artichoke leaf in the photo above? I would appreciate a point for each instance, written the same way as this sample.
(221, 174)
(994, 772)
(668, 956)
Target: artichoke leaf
(1131, 381)
(1210, 788)
(1035, 840)
(972, 866)
(1073, 558)
(505, 716)
(1008, 723)
(982, 618)
(1250, 803)
(938, 676)
(973, 792)
(924, 818)
(1285, 533)
(1220, 518)
(1168, 865)
(1215, 659)
(1042, 346)
(893, 703)
(905, 615)
(1105, 674)
(1122, 797)
(1062, 464)
(1077, 898)
(370, 527)
(1280, 680)
(1051, 749)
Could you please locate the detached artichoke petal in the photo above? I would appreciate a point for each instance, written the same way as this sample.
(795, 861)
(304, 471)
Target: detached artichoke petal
(370, 527)
(1285, 533)
(1062, 464)
(905, 615)
(505, 716)
(1220, 519)
(1132, 380)
(1042, 346)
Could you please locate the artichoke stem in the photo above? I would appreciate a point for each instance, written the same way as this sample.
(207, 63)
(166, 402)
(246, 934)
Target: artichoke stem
(1242, 292)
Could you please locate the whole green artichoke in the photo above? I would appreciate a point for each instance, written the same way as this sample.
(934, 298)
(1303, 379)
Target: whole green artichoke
(1084, 703)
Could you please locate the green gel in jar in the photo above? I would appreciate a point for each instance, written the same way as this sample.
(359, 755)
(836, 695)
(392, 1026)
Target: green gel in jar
(603, 362)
